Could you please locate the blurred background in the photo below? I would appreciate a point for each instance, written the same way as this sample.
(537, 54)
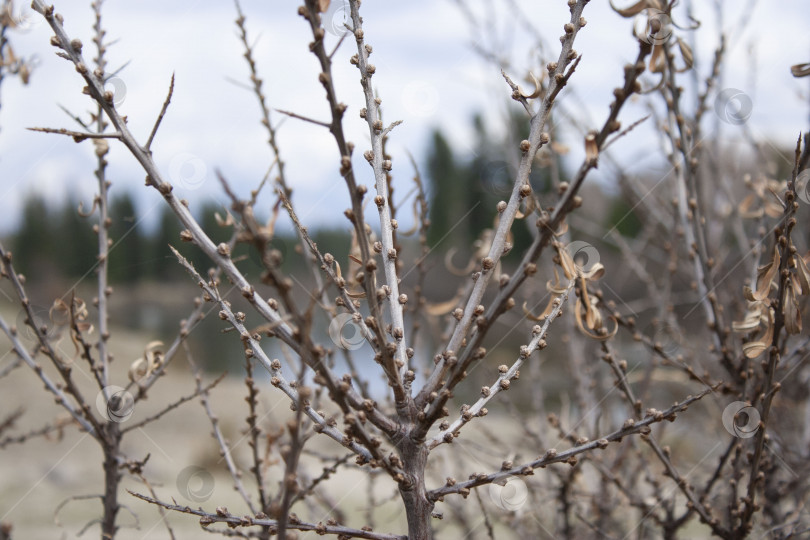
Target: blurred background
(439, 71)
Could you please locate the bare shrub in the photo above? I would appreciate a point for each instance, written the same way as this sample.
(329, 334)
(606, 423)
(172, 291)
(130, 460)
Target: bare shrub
(678, 408)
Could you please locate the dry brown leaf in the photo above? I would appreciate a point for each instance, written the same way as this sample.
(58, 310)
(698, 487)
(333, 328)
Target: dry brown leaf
(270, 227)
(323, 5)
(800, 70)
(448, 263)
(556, 287)
(538, 88)
(597, 336)
(24, 73)
(596, 272)
(765, 275)
(752, 320)
(145, 365)
(593, 317)
(566, 262)
(443, 308)
(658, 59)
(559, 148)
(753, 349)
(538, 318)
(744, 207)
(531, 205)
(790, 308)
(803, 273)
(59, 313)
(416, 220)
(227, 222)
(635, 9)
(138, 370)
(686, 54)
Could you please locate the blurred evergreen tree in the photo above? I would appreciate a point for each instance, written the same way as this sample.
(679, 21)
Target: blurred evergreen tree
(163, 264)
(623, 218)
(464, 192)
(207, 219)
(447, 200)
(127, 254)
(34, 241)
(76, 244)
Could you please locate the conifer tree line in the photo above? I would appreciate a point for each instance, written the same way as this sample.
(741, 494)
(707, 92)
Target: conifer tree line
(461, 190)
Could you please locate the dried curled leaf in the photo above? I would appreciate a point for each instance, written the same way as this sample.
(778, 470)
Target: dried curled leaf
(753, 349)
(532, 317)
(339, 275)
(791, 309)
(74, 313)
(800, 70)
(571, 269)
(416, 220)
(538, 88)
(323, 5)
(635, 9)
(745, 208)
(89, 213)
(751, 322)
(59, 313)
(658, 59)
(531, 206)
(592, 325)
(765, 277)
(227, 222)
(443, 308)
(802, 272)
(559, 148)
(686, 54)
(360, 294)
(448, 263)
(151, 360)
(556, 289)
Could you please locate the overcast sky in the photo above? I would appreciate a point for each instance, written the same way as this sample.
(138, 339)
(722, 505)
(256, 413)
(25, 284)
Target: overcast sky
(427, 75)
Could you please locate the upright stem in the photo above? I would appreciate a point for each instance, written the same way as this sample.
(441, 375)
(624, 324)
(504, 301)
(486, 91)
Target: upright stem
(111, 440)
(412, 490)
